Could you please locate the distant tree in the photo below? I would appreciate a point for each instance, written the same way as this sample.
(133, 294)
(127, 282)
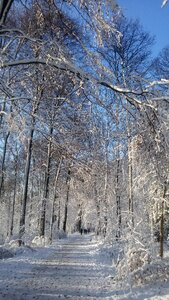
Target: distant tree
(161, 64)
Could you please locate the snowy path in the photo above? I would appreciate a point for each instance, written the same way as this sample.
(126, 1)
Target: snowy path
(71, 270)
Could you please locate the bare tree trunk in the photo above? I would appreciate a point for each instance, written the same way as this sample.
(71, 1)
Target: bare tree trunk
(2, 111)
(79, 221)
(8, 214)
(106, 189)
(26, 180)
(58, 222)
(118, 199)
(46, 188)
(27, 170)
(130, 187)
(162, 224)
(67, 201)
(130, 172)
(98, 229)
(32, 193)
(14, 197)
(3, 164)
(54, 197)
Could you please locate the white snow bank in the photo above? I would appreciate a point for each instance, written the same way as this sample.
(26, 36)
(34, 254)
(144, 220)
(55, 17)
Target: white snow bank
(12, 248)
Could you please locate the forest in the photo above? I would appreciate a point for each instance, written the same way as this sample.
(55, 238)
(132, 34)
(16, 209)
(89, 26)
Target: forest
(84, 125)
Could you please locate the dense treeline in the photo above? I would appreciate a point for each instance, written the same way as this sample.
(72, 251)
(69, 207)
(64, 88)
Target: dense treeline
(83, 124)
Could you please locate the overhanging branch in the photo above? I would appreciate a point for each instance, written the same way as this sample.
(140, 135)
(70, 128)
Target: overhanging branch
(69, 67)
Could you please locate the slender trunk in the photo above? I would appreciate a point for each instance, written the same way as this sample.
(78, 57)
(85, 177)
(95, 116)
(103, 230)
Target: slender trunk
(162, 225)
(8, 214)
(67, 201)
(54, 198)
(118, 202)
(79, 222)
(98, 219)
(26, 180)
(58, 222)
(32, 193)
(27, 169)
(46, 188)
(5, 148)
(105, 191)
(130, 172)
(98, 229)
(130, 167)
(14, 198)
(3, 165)
(2, 112)
(118, 199)
(130, 185)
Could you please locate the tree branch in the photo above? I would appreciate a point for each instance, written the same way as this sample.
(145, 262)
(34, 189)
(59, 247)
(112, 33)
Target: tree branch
(4, 9)
(69, 67)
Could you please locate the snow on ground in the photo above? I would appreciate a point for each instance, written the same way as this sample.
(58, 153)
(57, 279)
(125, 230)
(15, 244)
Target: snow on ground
(77, 268)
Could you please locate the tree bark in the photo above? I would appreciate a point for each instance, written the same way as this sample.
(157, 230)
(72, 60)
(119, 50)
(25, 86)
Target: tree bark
(26, 180)
(14, 197)
(27, 169)
(54, 198)
(79, 221)
(67, 201)
(162, 225)
(130, 172)
(118, 199)
(106, 188)
(58, 222)
(97, 201)
(3, 164)
(118, 204)
(32, 193)
(2, 112)
(46, 187)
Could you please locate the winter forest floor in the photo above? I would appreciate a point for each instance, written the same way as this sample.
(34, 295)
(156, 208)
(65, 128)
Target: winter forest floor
(71, 268)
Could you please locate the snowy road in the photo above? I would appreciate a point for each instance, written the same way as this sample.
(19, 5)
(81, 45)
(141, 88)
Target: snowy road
(74, 268)
(70, 270)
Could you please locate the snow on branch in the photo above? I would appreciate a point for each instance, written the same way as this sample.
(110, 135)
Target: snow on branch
(69, 67)
(158, 82)
(164, 3)
(19, 33)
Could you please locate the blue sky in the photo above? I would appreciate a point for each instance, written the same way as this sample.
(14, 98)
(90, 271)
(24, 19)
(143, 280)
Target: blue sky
(153, 18)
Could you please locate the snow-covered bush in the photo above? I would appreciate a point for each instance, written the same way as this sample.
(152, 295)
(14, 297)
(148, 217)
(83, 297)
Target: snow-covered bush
(137, 258)
(16, 243)
(151, 273)
(38, 241)
(134, 259)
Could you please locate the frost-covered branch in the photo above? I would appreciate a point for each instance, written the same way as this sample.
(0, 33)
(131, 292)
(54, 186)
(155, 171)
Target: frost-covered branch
(164, 3)
(157, 82)
(19, 32)
(69, 67)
